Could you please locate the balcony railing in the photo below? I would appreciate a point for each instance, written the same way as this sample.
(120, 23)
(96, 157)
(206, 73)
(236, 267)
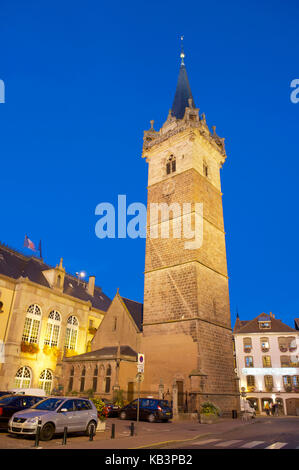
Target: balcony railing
(283, 348)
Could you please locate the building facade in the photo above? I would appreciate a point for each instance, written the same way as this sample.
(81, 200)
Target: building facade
(187, 336)
(267, 363)
(45, 314)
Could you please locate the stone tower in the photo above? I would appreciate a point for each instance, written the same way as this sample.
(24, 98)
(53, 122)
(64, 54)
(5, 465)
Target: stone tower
(187, 335)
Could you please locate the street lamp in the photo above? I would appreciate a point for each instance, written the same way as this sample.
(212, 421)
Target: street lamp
(80, 275)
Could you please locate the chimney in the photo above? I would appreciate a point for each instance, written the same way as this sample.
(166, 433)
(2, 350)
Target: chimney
(90, 285)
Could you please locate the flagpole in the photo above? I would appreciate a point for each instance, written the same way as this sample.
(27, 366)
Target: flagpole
(40, 249)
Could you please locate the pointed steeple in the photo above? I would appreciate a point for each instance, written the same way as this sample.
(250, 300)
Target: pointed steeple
(183, 90)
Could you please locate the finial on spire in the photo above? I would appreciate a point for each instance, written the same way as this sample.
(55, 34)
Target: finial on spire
(182, 50)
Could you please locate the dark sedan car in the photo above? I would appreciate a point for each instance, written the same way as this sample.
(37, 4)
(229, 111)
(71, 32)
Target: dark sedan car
(10, 404)
(150, 409)
(4, 393)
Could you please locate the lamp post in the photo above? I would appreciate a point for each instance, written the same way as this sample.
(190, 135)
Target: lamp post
(80, 275)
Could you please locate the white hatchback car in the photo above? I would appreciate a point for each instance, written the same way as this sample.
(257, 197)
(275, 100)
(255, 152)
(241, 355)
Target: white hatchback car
(54, 414)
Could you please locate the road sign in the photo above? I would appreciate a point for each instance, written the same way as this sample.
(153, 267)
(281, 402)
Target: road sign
(140, 368)
(140, 358)
(139, 377)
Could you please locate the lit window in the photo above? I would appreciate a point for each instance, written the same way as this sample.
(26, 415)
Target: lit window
(53, 328)
(71, 333)
(45, 380)
(266, 361)
(287, 383)
(265, 344)
(264, 325)
(32, 324)
(268, 383)
(247, 345)
(250, 383)
(248, 361)
(23, 378)
(285, 361)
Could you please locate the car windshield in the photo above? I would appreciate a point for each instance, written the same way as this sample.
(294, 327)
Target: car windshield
(8, 400)
(50, 404)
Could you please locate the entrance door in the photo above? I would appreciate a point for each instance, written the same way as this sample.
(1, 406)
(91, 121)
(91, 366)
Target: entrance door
(292, 405)
(180, 388)
(130, 395)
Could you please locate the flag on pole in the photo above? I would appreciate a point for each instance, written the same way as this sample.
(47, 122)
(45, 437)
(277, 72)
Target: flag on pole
(29, 244)
(40, 248)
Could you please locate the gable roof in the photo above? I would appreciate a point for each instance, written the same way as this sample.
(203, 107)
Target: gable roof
(136, 311)
(15, 265)
(252, 326)
(108, 352)
(296, 323)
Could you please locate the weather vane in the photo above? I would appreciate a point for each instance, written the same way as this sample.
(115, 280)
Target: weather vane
(182, 50)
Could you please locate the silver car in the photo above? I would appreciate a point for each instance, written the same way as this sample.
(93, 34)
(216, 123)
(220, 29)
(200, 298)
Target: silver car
(54, 414)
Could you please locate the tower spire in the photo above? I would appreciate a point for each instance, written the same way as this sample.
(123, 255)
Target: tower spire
(183, 91)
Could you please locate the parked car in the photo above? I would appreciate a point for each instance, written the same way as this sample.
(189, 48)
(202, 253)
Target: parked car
(77, 414)
(2, 393)
(10, 404)
(112, 409)
(150, 409)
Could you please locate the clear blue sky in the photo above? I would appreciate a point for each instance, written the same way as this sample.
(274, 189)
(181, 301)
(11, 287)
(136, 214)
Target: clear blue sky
(83, 80)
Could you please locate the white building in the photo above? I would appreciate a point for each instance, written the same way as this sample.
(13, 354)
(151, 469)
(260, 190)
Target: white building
(266, 353)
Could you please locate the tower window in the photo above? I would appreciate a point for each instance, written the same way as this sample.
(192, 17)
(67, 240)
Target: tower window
(205, 169)
(170, 165)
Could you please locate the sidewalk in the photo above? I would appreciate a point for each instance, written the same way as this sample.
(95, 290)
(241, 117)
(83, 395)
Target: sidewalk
(150, 438)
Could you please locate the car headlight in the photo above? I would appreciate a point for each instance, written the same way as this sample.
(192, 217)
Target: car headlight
(33, 420)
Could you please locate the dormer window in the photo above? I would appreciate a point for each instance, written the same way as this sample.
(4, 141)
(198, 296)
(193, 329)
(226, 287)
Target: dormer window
(170, 165)
(265, 325)
(264, 322)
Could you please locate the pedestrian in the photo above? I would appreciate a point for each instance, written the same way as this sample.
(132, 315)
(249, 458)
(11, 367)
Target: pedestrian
(267, 408)
(273, 408)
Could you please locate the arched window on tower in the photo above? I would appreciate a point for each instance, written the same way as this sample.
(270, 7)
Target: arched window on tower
(108, 379)
(171, 165)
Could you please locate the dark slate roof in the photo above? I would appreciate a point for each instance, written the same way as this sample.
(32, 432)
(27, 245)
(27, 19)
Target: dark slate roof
(108, 351)
(182, 94)
(297, 323)
(136, 311)
(14, 265)
(252, 326)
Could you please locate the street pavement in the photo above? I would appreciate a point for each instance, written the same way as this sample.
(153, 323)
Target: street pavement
(261, 433)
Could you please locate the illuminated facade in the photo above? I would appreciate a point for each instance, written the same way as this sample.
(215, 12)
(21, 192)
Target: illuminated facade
(267, 363)
(45, 314)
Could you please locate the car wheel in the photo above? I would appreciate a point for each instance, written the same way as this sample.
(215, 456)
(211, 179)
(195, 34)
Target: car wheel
(165, 420)
(151, 418)
(47, 432)
(89, 426)
(123, 415)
